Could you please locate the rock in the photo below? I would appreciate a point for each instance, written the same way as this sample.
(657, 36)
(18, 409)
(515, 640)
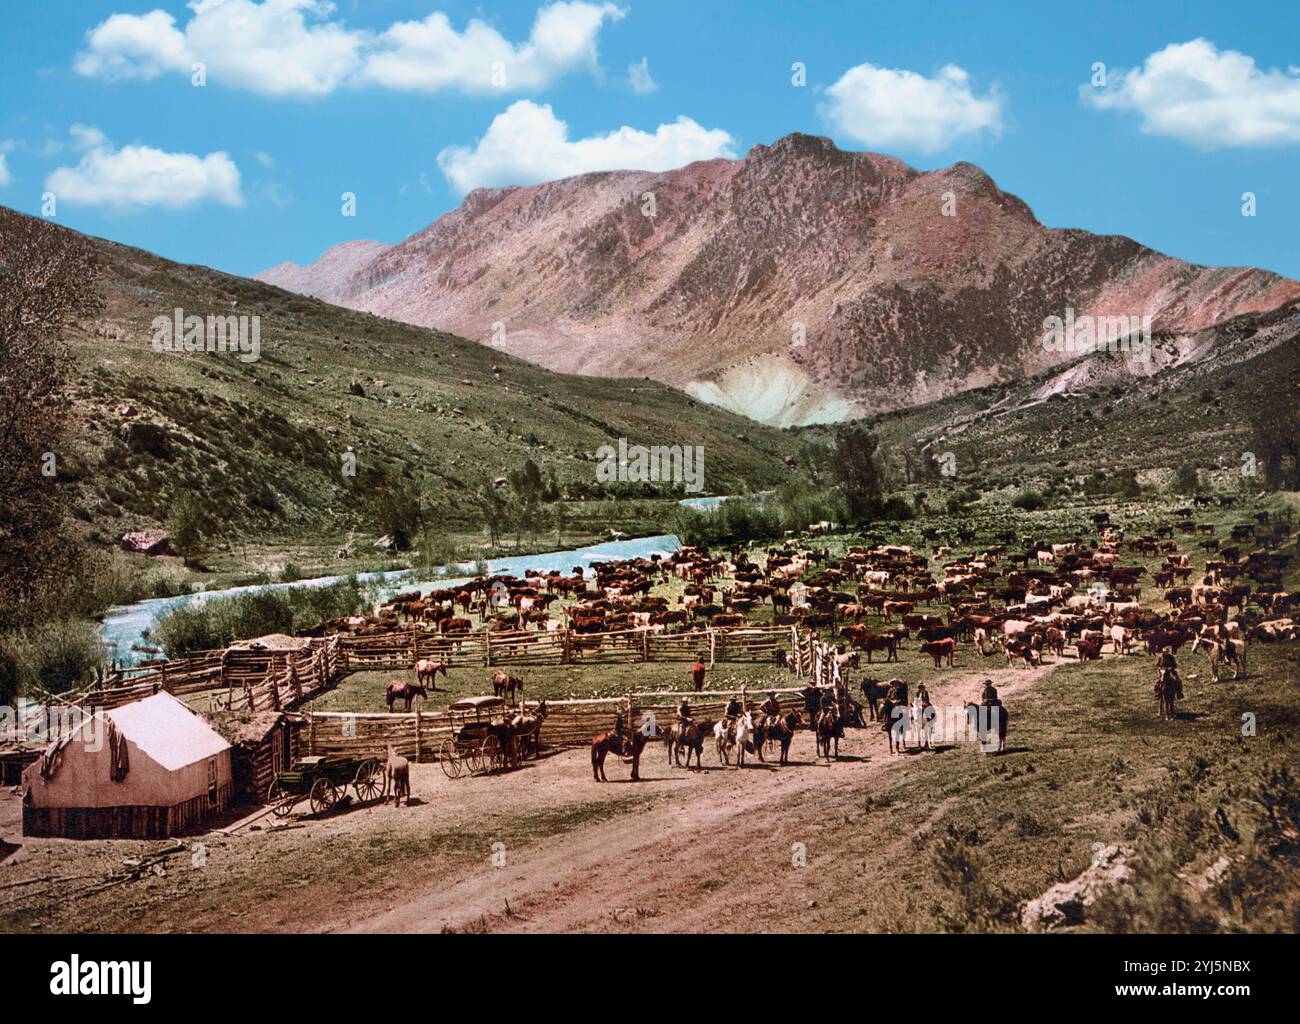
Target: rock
(1066, 903)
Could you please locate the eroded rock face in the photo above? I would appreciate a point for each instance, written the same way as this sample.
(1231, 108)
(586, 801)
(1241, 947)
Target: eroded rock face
(1067, 903)
(799, 284)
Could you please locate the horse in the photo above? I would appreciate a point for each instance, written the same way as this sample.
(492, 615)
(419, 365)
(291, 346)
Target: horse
(689, 735)
(397, 773)
(873, 690)
(1230, 650)
(620, 742)
(828, 727)
(982, 723)
(504, 684)
(777, 727)
(893, 722)
(528, 727)
(738, 735)
(923, 716)
(398, 690)
(428, 669)
(1168, 689)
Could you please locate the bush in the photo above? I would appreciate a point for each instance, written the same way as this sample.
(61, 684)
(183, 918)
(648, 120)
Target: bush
(1029, 501)
(56, 656)
(221, 621)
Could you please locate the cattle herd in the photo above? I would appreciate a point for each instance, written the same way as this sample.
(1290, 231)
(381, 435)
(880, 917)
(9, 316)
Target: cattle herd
(1018, 597)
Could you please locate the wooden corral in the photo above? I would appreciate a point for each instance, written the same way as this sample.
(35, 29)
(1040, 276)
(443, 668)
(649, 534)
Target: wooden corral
(569, 723)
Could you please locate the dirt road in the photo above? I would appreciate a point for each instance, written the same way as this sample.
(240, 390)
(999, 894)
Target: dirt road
(672, 863)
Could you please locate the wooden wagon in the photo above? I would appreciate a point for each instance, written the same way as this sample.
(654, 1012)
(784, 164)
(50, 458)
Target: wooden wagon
(484, 741)
(324, 780)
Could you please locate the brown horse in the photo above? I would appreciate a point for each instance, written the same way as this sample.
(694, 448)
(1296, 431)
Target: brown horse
(528, 727)
(779, 728)
(504, 684)
(828, 727)
(426, 672)
(690, 736)
(398, 774)
(621, 742)
(398, 690)
(1168, 689)
(983, 722)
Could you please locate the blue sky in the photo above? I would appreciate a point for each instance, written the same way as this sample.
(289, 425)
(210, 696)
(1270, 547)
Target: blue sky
(407, 103)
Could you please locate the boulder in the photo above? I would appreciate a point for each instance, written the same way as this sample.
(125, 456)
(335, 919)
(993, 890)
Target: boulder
(1066, 903)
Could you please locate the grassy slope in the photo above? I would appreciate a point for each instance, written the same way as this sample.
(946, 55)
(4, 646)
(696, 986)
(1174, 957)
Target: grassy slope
(262, 443)
(1107, 418)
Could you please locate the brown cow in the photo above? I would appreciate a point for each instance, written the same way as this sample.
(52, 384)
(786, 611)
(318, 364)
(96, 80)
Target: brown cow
(940, 650)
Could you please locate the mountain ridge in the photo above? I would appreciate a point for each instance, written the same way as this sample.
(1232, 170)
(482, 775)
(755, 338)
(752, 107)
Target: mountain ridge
(900, 304)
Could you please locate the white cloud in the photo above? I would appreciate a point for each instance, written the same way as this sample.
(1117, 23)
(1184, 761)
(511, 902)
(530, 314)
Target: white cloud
(86, 137)
(527, 143)
(298, 48)
(5, 176)
(266, 160)
(638, 77)
(431, 55)
(1195, 93)
(143, 176)
(896, 108)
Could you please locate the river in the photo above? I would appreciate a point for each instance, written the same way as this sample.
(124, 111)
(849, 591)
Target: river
(124, 625)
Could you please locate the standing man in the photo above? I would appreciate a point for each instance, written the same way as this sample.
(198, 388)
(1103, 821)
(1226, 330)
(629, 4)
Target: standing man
(697, 673)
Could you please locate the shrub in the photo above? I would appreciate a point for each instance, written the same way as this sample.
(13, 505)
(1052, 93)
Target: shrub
(1030, 501)
(55, 656)
(220, 621)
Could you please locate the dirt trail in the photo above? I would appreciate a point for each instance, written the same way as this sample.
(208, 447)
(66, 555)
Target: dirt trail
(694, 831)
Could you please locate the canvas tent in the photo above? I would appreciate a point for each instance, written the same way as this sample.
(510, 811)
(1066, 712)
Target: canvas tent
(147, 769)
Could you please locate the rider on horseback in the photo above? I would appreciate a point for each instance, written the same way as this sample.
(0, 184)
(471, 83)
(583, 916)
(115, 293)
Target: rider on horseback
(684, 712)
(989, 694)
(1167, 668)
(771, 706)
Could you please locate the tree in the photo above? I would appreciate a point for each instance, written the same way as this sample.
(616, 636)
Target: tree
(397, 512)
(1187, 480)
(856, 470)
(47, 283)
(188, 526)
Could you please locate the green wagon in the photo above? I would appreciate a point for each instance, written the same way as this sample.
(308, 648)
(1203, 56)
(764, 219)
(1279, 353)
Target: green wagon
(324, 780)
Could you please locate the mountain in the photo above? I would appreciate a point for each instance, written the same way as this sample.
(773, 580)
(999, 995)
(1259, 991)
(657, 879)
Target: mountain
(799, 284)
(263, 442)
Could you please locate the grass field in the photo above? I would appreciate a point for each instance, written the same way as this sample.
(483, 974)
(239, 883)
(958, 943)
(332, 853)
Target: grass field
(949, 839)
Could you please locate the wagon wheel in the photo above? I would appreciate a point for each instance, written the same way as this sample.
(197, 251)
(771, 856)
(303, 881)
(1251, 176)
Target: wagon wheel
(473, 757)
(371, 781)
(323, 796)
(490, 754)
(449, 759)
(280, 799)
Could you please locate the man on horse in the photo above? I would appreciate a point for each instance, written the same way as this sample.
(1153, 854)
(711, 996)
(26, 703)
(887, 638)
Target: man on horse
(684, 713)
(1167, 668)
(771, 706)
(989, 694)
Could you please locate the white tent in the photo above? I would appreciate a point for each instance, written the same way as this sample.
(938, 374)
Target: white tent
(145, 769)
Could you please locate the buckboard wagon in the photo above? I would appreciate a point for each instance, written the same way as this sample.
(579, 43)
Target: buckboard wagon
(324, 782)
(484, 741)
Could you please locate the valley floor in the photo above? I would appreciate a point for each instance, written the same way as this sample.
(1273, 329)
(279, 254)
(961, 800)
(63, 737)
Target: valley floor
(948, 840)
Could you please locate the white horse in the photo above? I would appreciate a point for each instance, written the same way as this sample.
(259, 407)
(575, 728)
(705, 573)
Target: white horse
(1233, 651)
(923, 716)
(738, 737)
